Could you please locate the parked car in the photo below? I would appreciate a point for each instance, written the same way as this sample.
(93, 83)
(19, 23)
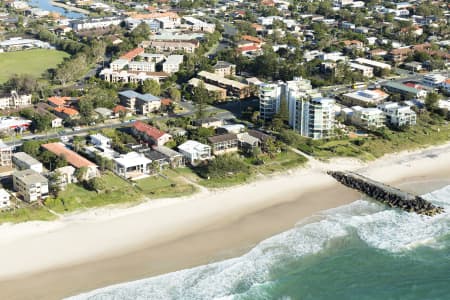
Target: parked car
(76, 128)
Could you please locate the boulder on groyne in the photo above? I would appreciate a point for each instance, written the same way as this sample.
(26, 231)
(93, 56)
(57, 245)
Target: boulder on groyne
(386, 194)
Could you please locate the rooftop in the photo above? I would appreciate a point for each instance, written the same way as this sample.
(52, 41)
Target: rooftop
(148, 130)
(72, 157)
(29, 177)
(144, 97)
(28, 159)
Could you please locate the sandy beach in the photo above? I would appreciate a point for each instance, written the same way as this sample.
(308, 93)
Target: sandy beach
(88, 250)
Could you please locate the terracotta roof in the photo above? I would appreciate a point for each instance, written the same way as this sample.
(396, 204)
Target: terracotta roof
(166, 101)
(67, 110)
(247, 48)
(119, 108)
(72, 158)
(58, 101)
(132, 54)
(251, 39)
(148, 130)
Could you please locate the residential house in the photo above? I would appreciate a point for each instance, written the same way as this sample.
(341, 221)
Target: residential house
(223, 68)
(140, 103)
(74, 159)
(264, 139)
(104, 112)
(398, 115)
(247, 143)
(132, 165)
(66, 113)
(30, 185)
(120, 111)
(209, 122)
(224, 143)
(150, 133)
(66, 176)
(99, 140)
(173, 158)
(195, 152)
(23, 161)
(5, 199)
(95, 23)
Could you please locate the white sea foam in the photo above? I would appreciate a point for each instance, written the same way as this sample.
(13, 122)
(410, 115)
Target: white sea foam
(385, 229)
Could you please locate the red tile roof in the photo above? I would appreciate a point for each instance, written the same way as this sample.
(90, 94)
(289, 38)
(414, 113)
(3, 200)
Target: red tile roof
(119, 108)
(67, 110)
(72, 158)
(58, 101)
(248, 48)
(148, 130)
(251, 39)
(166, 101)
(132, 54)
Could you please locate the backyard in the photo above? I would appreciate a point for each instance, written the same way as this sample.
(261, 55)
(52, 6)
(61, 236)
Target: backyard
(32, 62)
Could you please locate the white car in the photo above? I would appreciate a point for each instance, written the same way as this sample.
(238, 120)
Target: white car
(64, 139)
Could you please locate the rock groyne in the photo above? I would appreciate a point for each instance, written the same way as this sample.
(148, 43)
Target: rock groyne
(386, 194)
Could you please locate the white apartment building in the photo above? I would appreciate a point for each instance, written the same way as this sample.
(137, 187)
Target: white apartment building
(199, 25)
(14, 100)
(398, 115)
(172, 63)
(141, 66)
(365, 71)
(119, 64)
(373, 63)
(95, 23)
(434, 80)
(30, 185)
(5, 199)
(368, 117)
(269, 99)
(314, 118)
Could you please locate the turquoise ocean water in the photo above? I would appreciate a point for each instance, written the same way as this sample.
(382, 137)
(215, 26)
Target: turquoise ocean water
(357, 251)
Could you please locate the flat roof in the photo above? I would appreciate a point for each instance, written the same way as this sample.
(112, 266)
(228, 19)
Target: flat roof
(28, 159)
(29, 176)
(132, 159)
(223, 80)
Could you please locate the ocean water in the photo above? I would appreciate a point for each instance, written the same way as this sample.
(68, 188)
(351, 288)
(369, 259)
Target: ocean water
(358, 251)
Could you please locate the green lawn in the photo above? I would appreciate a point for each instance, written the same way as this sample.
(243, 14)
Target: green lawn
(75, 197)
(33, 62)
(171, 185)
(25, 214)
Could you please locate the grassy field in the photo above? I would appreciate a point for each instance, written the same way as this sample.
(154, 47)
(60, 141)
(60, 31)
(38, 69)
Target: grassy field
(75, 197)
(33, 62)
(171, 184)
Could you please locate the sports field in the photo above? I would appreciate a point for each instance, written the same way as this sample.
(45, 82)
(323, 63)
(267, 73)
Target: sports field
(33, 62)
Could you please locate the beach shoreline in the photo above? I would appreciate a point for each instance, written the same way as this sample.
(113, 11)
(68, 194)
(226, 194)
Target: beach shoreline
(107, 246)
